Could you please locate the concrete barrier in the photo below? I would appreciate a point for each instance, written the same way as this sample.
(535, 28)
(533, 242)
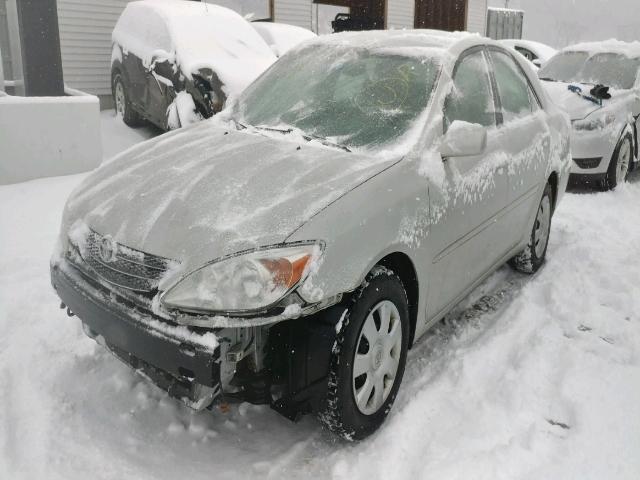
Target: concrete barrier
(48, 136)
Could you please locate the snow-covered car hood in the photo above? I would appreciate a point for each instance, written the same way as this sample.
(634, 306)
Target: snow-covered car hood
(209, 191)
(576, 106)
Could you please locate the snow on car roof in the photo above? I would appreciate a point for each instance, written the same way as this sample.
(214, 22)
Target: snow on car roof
(628, 49)
(282, 37)
(406, 41)
(201, 36)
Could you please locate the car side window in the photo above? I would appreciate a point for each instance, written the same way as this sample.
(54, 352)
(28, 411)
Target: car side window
(529, 55)
(471, 99)
(513, 87)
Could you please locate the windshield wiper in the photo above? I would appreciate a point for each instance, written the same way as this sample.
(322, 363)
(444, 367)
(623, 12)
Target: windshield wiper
(325, 141)
(547, 79)
(578, 91)
(239, 125)
(274, 129)
(307, 136)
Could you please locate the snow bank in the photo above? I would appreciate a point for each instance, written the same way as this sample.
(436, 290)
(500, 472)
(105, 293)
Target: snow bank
(538, 379)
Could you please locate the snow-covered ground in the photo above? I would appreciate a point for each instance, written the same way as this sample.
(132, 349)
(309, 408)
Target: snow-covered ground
(534, 378)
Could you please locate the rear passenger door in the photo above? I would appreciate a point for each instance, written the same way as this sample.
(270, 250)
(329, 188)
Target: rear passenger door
(526, 140)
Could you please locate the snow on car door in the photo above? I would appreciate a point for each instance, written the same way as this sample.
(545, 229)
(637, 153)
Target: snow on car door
(467, 234)
(526, 141)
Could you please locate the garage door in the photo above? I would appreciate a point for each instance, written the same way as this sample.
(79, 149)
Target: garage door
(441, 14)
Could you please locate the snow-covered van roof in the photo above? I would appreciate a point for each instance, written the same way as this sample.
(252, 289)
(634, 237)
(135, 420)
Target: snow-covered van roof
(628, 49)
(200, 35)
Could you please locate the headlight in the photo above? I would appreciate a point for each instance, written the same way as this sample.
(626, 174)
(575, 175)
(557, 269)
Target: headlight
(598, 123)
(243, 283)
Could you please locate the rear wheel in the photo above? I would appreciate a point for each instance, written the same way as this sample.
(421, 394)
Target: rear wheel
(123, 104)
(532, 257)
(368, 358)
(620, 164)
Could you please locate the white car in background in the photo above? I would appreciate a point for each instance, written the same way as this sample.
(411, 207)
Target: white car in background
(598, 85)
(282, 37)
(536, 52)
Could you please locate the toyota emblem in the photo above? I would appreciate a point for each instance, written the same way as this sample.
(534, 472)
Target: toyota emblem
(107, 249)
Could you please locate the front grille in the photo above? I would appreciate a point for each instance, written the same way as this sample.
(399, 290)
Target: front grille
(125, 266)
(586, 163)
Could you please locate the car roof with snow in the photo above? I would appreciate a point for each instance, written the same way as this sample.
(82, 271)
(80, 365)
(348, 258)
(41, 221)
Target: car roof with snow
(408, 42)
(628, 49)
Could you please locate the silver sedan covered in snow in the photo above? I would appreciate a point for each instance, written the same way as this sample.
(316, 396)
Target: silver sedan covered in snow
(599, 87)
(290, 251)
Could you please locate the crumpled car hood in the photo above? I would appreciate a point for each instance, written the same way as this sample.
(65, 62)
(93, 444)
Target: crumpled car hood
(208, 191)
(577, 107)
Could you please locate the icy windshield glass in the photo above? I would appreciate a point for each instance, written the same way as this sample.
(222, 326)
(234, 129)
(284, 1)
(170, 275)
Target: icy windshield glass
(564, 67)
(610, 69)
(351, 97)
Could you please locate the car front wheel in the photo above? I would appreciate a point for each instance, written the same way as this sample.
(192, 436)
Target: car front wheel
(532, 257)
(368, 357)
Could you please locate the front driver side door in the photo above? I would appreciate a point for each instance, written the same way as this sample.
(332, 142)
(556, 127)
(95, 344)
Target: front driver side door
(467, 235)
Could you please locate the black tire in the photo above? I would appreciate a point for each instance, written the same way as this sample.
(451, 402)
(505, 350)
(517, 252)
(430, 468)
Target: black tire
(531, 258)
(129, 115)
(341, 414)
(611, 180)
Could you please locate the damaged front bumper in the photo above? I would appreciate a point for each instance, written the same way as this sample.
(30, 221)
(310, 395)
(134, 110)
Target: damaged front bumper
(182, 361)
(284, 364)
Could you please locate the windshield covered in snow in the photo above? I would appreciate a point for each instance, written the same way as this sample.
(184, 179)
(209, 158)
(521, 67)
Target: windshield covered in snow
(352, 97)
(610, 69)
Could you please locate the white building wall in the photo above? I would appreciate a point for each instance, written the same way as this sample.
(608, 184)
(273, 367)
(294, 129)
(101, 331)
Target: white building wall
(477, 16)
(294, 12)
(400, 13)
(85, 42)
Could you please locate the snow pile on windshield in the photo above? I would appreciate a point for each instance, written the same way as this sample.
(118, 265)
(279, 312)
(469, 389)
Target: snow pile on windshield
(282, 37)
(628, 49)
(196, 35)
(611, 63)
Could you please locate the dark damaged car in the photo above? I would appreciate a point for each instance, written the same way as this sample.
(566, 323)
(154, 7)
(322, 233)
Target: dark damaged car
(174, 63)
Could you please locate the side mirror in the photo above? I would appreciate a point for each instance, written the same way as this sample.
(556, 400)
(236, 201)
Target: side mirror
(463, 140)
(159, 56)
(635, 107)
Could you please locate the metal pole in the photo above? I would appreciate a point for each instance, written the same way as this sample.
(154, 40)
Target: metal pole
(15, 52)
(40, 43)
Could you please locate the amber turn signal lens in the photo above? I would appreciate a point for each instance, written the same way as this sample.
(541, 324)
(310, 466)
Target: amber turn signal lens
(285, 272)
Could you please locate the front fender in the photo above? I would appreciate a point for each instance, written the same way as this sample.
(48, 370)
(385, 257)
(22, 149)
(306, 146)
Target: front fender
(387, 214)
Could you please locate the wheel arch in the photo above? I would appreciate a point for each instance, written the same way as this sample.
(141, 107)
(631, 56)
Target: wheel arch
(403, 266)
(553, 180)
